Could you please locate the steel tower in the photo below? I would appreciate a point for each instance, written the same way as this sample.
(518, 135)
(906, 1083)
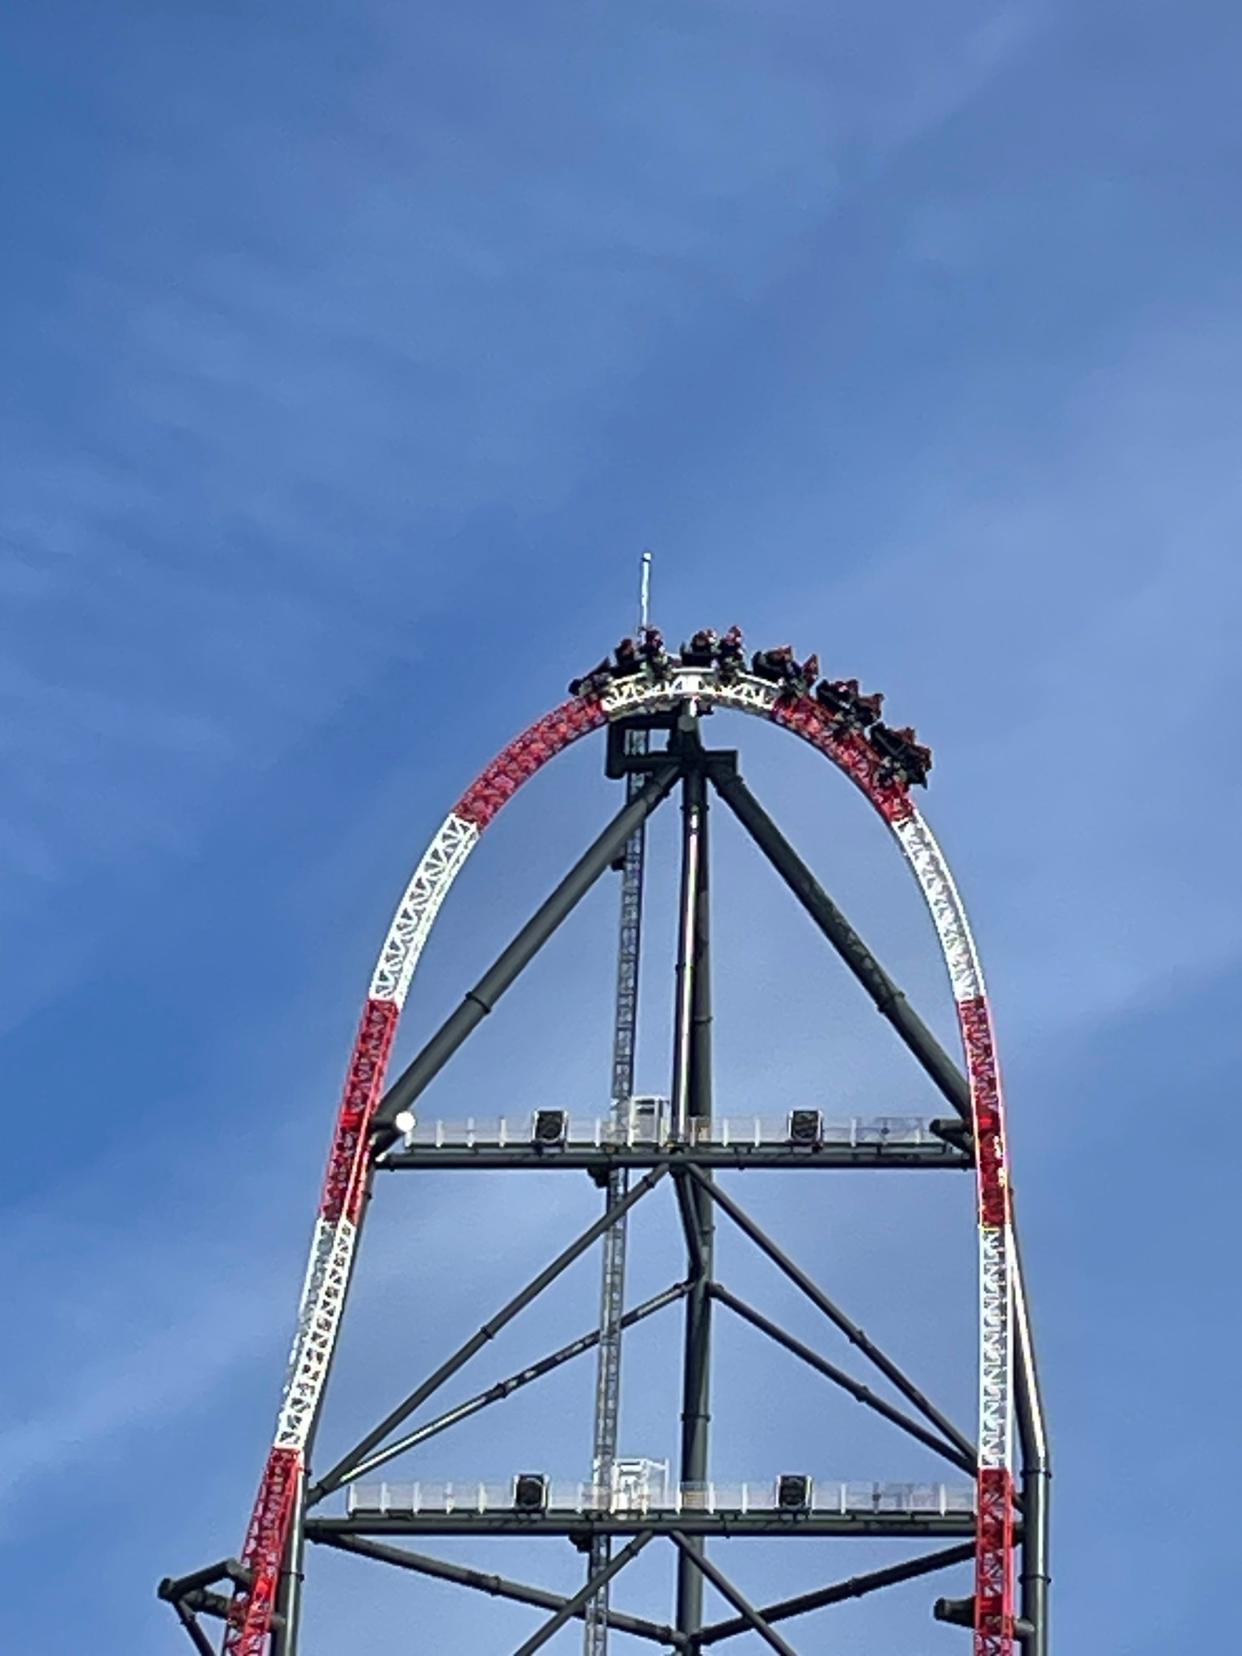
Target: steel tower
(613, 1242)
(997, 1521)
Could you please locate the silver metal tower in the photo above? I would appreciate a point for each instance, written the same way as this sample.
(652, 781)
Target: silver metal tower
(612, 1286)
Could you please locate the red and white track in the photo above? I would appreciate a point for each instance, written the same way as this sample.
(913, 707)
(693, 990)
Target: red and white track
(336, 1227)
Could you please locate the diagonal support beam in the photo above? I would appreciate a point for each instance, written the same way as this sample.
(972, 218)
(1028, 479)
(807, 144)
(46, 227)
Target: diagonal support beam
(860, 1393)
(523, 949)
(855, 1587)
(576, 1605)
(835, 1315)
(189, 1621)
(690, 1225)
(889, 1001)
(346, 1466)
(751, 1617)
(495, 1586)
(513, 1382)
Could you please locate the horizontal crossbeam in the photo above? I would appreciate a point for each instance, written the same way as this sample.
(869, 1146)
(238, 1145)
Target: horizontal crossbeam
(455, 1158)
(511, 1521)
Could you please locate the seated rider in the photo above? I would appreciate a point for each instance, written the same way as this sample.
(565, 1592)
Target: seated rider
(730, 646)
(592, 683)
(842, 699)
(803, 679)
(701, 649)
(901, 752)
(653, 652)
(626, 659)
(777, 666)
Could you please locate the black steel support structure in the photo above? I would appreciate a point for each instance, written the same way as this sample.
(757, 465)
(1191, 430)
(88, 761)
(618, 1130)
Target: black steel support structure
(692, 1106)
(692, 1156)
(495, 1586)
(1035, 1577)
(889, 1001)
(600, 856)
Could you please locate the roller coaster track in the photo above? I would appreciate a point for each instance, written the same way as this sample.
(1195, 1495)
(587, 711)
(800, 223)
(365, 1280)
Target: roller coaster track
(365, 1122)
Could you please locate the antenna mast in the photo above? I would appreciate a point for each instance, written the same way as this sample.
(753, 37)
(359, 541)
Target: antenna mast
(612, 1287)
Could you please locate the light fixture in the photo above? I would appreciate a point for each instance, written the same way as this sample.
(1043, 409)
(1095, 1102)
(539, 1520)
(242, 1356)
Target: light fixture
(793, 1492)
(550, 1127)
(806, 1127)
(530, 1492)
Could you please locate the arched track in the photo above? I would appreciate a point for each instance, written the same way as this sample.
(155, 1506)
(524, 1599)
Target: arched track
(337, 1223)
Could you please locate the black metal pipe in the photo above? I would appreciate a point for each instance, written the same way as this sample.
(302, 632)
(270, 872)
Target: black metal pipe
(855, 1388)
(340, 1473)
(289, 1590)
(533, 935)
(691, 1104)
(202, 1601)
(856, 1587)
(227, 1569)
(580, 1526)
(887, 997)
(751, 1617)
(198, 1638)
(1035, 1577)
(495, 1586)
(578, 1602)
(795, 1158)
(835, 1315)
(514, 1382)
(688, 1212)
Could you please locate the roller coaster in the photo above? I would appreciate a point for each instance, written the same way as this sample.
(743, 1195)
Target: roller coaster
(639, 692)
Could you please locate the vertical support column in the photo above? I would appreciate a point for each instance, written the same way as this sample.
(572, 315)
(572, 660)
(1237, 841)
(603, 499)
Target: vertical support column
(612, 1286)
(1036, 1474)
(692, 1104)
(289, 1594)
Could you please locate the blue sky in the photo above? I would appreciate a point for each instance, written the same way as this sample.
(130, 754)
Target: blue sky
(351, 353)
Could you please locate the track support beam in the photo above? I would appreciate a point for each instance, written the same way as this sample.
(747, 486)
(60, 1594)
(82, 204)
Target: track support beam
(600, 856)
(888, 999)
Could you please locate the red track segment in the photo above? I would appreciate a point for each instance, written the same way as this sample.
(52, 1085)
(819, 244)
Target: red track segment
(250, 1616)
(525, 755)
(345, 1181)
(994, 1564)
(847, 749)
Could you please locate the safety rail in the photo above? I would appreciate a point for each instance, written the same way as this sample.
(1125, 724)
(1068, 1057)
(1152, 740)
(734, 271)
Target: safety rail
(599, 1132)
(409, 1499)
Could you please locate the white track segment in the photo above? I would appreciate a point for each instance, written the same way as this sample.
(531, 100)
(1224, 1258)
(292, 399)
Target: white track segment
(336, 1230)
(413, 920)
(319, 1316)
